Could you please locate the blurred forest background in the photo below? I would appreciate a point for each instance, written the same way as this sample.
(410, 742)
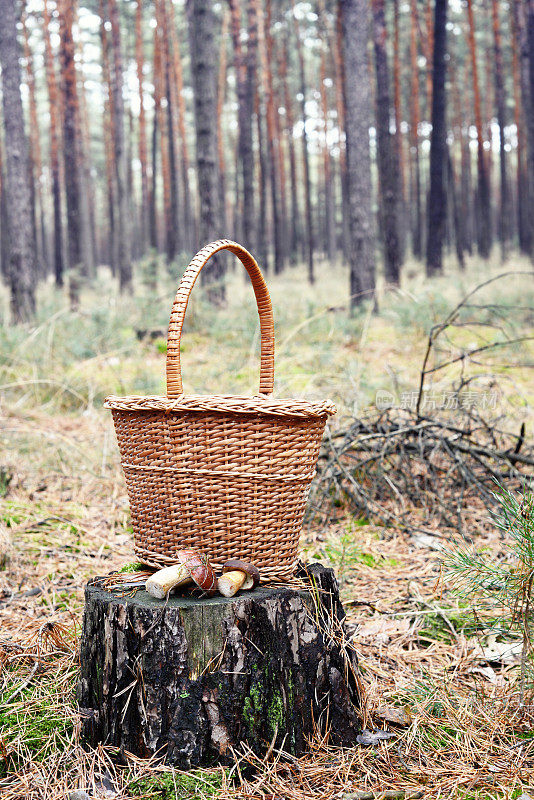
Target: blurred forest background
(308, 131)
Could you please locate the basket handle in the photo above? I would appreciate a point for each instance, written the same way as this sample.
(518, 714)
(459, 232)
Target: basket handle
(265, 311)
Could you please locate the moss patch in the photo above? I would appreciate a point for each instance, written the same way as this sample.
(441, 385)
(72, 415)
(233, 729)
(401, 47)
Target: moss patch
(171, 785)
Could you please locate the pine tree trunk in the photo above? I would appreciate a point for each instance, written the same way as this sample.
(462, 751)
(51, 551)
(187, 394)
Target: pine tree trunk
(190, 227)
(329, 214)
(415, 116)
(85, 180)
(202, 25)
(295, 226)
(71, 149)
(354, 16)
(310, 243)
(55, 134)
(528, 106)
(221, 97)
(524, 221)
(337, 48)
(143, 160)
(111, 247)
(22, 268)
(387, 172)
(483, 205)
(399, 148)
(504, 210)
(119, 149)
(245, 68)
(264, 45)
(263, 249)
(437, 198)
(40, 244)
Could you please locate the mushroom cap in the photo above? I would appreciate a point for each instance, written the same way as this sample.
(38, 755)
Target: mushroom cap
(200, 569)
(243, 566)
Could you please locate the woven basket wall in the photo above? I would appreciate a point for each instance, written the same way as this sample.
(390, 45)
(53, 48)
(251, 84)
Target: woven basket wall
(226, 475)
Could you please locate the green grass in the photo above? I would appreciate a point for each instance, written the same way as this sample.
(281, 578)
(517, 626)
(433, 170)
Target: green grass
(170, 785)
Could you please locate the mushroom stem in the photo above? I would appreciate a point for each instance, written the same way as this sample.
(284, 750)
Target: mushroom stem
(231, 582)
(160, 583)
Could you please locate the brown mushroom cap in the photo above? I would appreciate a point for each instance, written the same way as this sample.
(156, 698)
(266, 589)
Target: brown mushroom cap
(252, 571)
(200, 570)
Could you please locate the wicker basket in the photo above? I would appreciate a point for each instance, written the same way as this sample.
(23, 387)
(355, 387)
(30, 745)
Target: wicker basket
(227, 475)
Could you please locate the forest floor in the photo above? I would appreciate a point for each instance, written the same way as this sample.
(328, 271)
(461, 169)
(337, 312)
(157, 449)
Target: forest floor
(436, 672)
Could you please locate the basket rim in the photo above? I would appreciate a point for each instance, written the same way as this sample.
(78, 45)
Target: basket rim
(237, 404)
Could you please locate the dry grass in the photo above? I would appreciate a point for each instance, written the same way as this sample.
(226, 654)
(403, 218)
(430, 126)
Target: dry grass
(64, 519)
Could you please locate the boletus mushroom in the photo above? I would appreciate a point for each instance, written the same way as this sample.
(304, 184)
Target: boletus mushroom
(237, 575)
(192, 567)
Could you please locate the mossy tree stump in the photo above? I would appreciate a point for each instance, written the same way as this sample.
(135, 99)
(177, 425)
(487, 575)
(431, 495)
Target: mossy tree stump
(192, 678)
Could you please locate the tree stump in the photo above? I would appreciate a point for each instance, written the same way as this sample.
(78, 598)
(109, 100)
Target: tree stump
(192, 678)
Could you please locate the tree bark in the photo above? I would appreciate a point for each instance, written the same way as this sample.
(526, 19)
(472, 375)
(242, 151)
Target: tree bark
(437, 197)
(143, 160)
(305, 157)
(38, 211)
(295, 226)
(524, 219)
(329, 213)
(245, 68)
(388, 175)
(202, 25)
(190, 678)
(22, 271)
(504, 210)
(71, 149)
(119, 147)
(484, 208)
(415, 117)
(55, 135)
(354, 20)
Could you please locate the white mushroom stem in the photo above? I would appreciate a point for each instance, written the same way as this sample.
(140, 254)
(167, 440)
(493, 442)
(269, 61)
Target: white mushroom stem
(160, 583)
(231, 582)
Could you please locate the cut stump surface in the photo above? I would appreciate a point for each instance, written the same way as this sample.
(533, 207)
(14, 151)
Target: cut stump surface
(193, 678)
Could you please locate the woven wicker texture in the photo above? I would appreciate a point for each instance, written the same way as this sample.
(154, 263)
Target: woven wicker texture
(226, 475)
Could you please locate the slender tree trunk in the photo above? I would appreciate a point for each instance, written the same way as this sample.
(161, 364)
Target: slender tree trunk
(190, 229)
(263, 249)
(337, 48)
(484, 209)
(5, 250)
(244, 72)
(265, 45)
(354, 21)
(329, 215)
(504, 215)
(437, 198)
(462, 198)
(143, 160)
(524, 221)
(415, 116)
(202, 25)
(387, 171)
(108, 126)
(295, 226)
(55, 134)
(85, 180)
(528, 104)
(172, 224)
(399, 148)
(119, 148)
(71, 149)
(305, 157)
(22, 272)
(221, 97)
(41, 248)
